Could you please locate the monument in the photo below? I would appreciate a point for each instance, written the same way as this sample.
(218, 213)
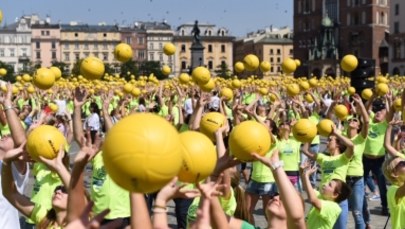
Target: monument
(197, 49)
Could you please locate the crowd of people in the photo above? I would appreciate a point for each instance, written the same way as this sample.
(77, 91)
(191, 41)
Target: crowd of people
(331, 172)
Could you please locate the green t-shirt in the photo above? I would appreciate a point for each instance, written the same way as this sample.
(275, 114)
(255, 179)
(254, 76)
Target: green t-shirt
(106, 194)
(332, 167)
(5, 130)
(324, 218)
(228, 112)
(397, 208)
(314, 118)
(375, 139)
(356, 164)
(289, 153)
(248, 98)
(164, 111)
(176, 115)
(261, 172)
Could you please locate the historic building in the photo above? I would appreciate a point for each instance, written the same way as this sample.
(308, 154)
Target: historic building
(397, 38)
(136, 38)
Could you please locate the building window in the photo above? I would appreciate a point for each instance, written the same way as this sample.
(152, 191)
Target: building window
(278, 60)
(222, 48)
(160, 46)
(278, 51)
(382, 18)
(104, 35)
(140, 40)
(105, 56)
(161, 57)
(86, 46)
(209, 48)
(183, 64)
(151, 56)
(363, 17)
(382, 2)
(66, 56)
(76, 34)
(105, 46)
(37, 45)
(278, 69)
(42, 33)
(53, 45)
(76, 46)
(271, 51)
(95, 54)
(77, 56)
(271, 59)
(210, 65)
(183, 48)
(66, 46)
(128, 40)
(396, 27)
(12, 52)
(151, 46)
(38, 55)
(271, 69)
(53, 55)
(397, 9)
(1, 52)
(291, 52)
(355, 19)
(96, 46)
(48, 33)
(141, 55)
(24, 51)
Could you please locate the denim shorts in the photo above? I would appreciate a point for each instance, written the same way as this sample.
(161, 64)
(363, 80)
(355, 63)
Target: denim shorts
(261, 189)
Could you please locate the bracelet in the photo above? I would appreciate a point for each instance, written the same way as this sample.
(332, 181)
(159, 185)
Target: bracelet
(159, 210)
(8, 108)
(160, 207)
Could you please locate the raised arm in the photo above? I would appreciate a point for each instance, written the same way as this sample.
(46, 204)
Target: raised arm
(387, 139)
(139, 212)
(308, 153)
(305, 172)
(106, 116)
(80, 97)
(345, 141)
(57, 165)
(364, 115)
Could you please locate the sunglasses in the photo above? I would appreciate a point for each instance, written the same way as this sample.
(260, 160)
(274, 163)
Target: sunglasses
(353, 120)
(400, 165)
(61, 189)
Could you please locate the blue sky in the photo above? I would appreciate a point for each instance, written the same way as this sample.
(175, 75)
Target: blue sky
(239, 16)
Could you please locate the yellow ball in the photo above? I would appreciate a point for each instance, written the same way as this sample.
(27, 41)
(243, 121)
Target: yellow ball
(1, 16)
(236, 83)
(157, 153)
(226, 93)
(398, 104)
(341, 111)
(92, 68)
(349, 63)
(26, 77)
(201, 75)
(199, 157)
(265, 66)
(53, 107)
(45, 141)
(128, 88)
(304, 85)
(123, 52)
(308, 98)
(313, 82)
(249, 137)
(325, 127)
(288, 66)
(30, 89)
(239, 67)
(210, 123)
(169, 49)
(184, 78)
(208, 86)
(366, 94)
(304, 130)
(3, 72)
(293, 89)
(251, 62)
(44, 78)
(263, 91)
(297, 62)
(136, 92)
(57, 72)
(351, 90)
(382, 89)
(166, 70)
(18, 78)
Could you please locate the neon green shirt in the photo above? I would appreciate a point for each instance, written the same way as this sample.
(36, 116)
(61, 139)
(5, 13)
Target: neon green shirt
(106, 194)
(248, 98)
(332, 167)
(314, 118)
(375, 139)
(324, 218)
(397, 208)
(356, 164)
(261, 172)
(164, 111)
(176, 115)
(289, 153)
(39, 213)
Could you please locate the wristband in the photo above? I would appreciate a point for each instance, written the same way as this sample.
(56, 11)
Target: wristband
(160, 207)
(8, 108)
(277, 165)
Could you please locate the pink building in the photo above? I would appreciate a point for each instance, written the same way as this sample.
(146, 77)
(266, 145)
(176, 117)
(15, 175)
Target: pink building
(45, 44)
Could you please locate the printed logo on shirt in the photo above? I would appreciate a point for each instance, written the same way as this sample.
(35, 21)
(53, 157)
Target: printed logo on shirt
(99, 177)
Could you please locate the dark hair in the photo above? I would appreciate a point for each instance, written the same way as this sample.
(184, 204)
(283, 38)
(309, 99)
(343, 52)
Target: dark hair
(142, 101)
(48, 220)
(273, 126)
(95, 108)
(342, 189)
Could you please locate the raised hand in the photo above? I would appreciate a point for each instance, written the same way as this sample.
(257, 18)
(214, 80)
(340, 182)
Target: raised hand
(56, 163)
(80, 96)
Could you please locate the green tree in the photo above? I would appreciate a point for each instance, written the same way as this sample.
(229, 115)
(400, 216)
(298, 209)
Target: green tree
(148, 67)
(223, 71)
(129, 67)
(10, 72)
(76, 67)
(64, 68)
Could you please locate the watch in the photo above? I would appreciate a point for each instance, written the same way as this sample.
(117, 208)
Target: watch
(277, 165)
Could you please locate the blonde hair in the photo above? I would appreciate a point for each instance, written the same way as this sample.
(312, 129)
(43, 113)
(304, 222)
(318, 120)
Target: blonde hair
(389, 169)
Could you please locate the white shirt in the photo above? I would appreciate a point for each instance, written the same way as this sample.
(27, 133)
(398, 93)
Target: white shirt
(61, 106)
(8, 214)
(188, 106)
(93, 122)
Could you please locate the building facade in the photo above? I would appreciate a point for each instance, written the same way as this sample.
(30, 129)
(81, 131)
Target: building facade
(217, 44)
(136, 38)
(397, 38)
(80, 41)
(45, 43)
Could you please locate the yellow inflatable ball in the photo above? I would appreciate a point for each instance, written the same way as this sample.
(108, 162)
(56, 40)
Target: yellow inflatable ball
(44, 78)
(366, 94)
(313, 82)
(123, 52)
(398, 104)
(297, 62)
(26, 78)
(210, 123)
(169, 49)
(236, 84)
(18, 78)
(249, 137)
(136, 92)
(341, 111)
(157, 155)
(325, 127)
(53, 107)
(265, 66)
(226, 94)
(308, 98)
(30, 89)
(304, 85)
(293, 89)
(349, 63)
(184, 78)
(288, 66)
(239, 67)
(1, 16)
(166, 70)
(351, 90)
(304, 130)
(272, 97)
(251, 62)
(3, 72)
(92, 68)
(57, 72)
(263, 91)
(45, 141)
(201, 75)
(199, 157)
(209, 86)
(382, 89)
(128, 88)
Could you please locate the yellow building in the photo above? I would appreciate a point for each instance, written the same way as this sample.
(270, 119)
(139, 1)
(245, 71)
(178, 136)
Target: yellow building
(80, 41)
(218, 47)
